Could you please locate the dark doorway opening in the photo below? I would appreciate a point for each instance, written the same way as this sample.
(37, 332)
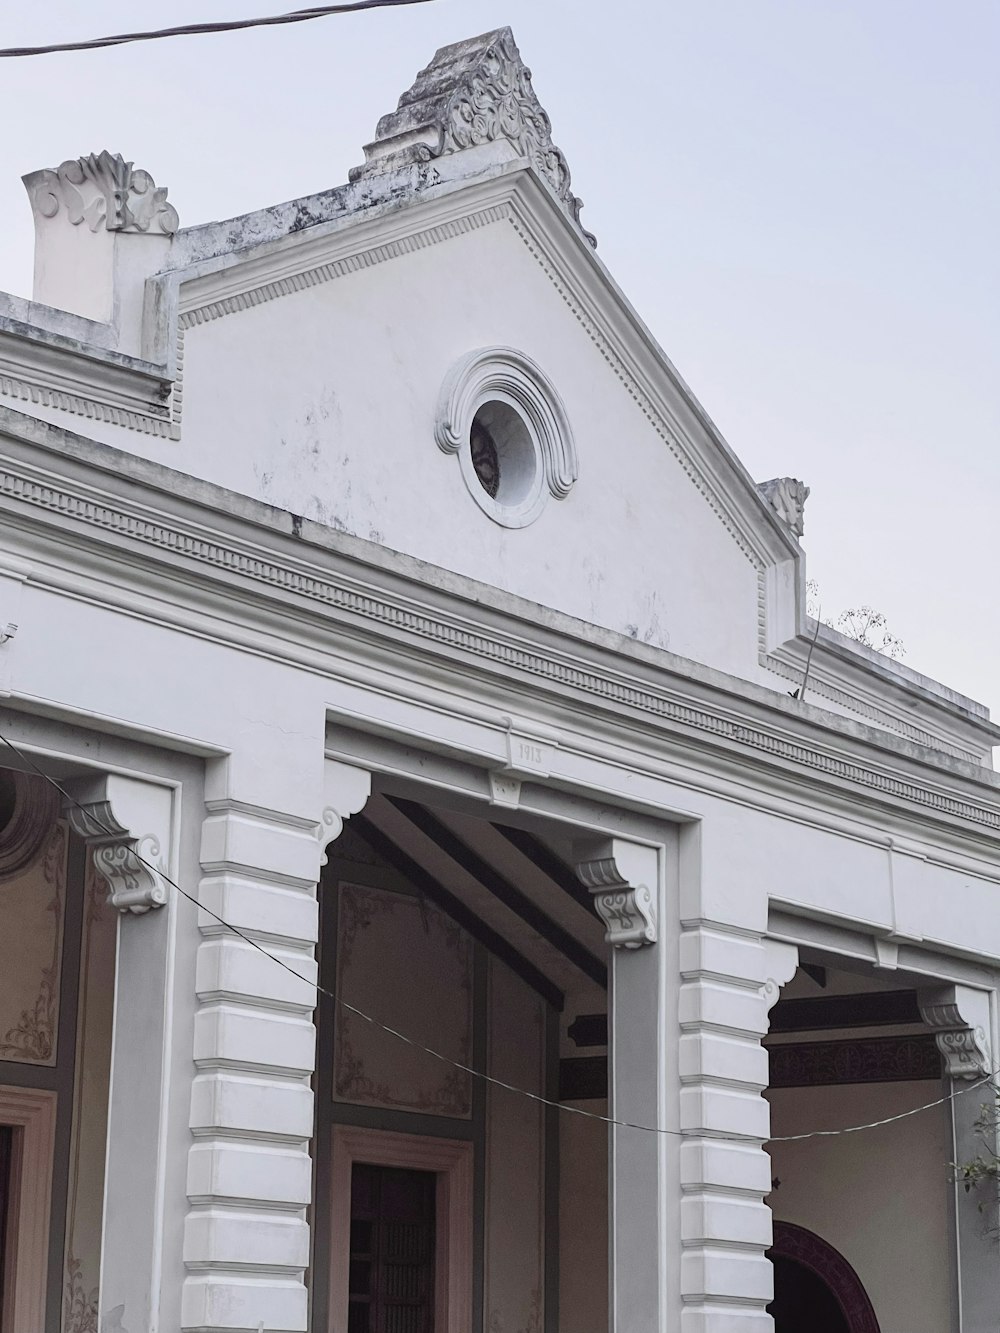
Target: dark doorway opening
(815, 1288)
(392, 1250)
(802, 1300)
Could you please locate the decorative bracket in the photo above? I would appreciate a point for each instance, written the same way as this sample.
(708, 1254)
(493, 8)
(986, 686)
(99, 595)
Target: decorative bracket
(781, 961)
(960, 1017)
(127, 823)
(345, 791)
(623, 878)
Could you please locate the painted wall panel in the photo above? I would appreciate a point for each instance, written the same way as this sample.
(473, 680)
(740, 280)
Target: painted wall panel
(405, 963)
(31, 929)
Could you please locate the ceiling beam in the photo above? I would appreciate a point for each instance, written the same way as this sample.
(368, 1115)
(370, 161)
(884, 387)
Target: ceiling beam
(514, 899)
(463, 916)
(551, 865)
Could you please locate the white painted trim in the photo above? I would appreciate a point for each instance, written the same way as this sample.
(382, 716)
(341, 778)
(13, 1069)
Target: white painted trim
(451, 1159)
(32, 1113)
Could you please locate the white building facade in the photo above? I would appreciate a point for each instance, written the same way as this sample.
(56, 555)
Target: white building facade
(392, 619)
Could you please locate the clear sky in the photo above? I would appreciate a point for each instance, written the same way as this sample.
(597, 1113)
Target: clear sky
(801, 197)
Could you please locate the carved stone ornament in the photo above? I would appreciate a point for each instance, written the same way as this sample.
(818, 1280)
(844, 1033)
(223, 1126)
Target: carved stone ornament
(545, 461)
(472, 94)
(959, 1016)
(103, 190)
(106, 812)
(787, 497)
(622, 876)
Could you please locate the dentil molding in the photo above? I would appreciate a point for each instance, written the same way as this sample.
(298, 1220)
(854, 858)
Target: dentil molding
(623, 878)
(127, 823)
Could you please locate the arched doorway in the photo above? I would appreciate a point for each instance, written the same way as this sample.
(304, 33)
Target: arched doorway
(815, 1287)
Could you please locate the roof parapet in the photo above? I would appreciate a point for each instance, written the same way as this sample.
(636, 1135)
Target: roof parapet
(474, 95)
(102, 227)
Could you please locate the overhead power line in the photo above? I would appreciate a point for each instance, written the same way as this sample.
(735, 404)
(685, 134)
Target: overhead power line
(196, 29)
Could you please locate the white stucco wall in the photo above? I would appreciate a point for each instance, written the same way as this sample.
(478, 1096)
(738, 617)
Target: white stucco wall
(879, 1197)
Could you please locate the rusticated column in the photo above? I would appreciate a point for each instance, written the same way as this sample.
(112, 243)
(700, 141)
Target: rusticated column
(730, 977)
(246, 1240)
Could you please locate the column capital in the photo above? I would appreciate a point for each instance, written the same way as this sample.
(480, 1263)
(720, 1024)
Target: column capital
(127, 823)
(623, 878)
(960, 1017)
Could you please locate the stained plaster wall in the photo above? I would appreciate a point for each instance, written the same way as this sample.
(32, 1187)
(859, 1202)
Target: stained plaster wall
(339, 426)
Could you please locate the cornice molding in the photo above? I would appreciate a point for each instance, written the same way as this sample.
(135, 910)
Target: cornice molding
(83, 381)
(403, 615)
(880, 717)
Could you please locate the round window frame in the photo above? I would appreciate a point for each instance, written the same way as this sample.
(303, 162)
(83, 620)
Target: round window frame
(517, 513)
(505, 375)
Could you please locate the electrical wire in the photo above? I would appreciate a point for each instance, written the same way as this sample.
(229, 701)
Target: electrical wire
(457, 1064)
(196, 29)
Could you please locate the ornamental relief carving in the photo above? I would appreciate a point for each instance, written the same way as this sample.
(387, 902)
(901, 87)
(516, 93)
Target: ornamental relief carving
(103, 189)
(402, 961)
(499, 102)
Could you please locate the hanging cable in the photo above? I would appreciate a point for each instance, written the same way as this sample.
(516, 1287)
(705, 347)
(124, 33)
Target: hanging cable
(196, 29)
(457, 1064)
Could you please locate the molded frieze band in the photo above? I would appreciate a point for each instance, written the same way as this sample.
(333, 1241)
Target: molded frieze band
(127, 824)
(623, 878)
(401, 616)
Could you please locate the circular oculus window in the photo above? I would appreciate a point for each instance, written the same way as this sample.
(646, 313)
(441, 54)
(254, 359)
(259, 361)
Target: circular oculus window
(504, 420)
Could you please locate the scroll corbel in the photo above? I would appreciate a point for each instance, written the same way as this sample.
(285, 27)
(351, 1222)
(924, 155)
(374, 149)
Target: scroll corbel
(622, 876)
(345, 791)
(960, 1017)
(127, 824)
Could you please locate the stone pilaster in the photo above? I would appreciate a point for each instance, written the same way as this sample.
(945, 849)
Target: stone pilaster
(246, 1241)
(120, 817)
(960, 1018)
(729, 979)
(627, 881)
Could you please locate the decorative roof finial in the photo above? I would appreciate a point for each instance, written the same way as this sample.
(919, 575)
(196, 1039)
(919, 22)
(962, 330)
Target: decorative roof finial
(473, 93)
(787, 497)
(103, 189)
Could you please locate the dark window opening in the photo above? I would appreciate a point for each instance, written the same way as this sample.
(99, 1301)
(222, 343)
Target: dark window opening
(391, 1286)
(485, 457)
